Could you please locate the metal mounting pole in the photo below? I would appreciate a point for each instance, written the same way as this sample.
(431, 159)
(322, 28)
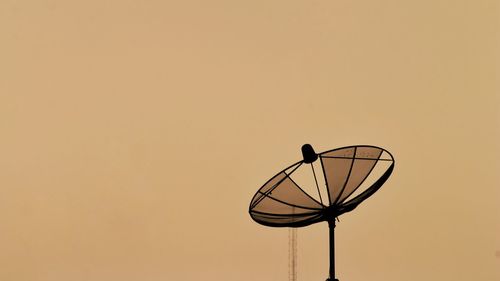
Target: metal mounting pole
(331, 226)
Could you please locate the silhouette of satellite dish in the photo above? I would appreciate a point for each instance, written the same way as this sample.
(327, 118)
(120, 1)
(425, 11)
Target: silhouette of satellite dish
(312, 191)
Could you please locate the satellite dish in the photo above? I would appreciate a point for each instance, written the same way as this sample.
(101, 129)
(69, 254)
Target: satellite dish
(349, 176)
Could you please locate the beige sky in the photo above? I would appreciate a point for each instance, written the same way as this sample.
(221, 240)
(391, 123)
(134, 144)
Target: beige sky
(134, 134)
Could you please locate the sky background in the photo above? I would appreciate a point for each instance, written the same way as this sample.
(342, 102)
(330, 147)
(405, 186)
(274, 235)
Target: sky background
(135, 133)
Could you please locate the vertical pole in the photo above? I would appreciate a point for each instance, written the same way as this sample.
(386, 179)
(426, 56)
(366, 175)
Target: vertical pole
(331, 226)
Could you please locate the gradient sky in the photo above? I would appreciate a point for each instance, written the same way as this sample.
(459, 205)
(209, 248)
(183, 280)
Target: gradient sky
(135, 133)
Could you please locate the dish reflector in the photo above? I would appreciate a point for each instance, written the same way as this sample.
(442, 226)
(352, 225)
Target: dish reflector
(349, 175)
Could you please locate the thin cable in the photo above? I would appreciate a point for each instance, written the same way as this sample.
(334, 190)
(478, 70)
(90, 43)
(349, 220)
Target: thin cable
(292, 252)
(317, 186)
(290, 258)
(294, 236)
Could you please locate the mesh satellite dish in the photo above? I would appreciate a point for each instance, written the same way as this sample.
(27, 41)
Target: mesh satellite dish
(298, 196)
